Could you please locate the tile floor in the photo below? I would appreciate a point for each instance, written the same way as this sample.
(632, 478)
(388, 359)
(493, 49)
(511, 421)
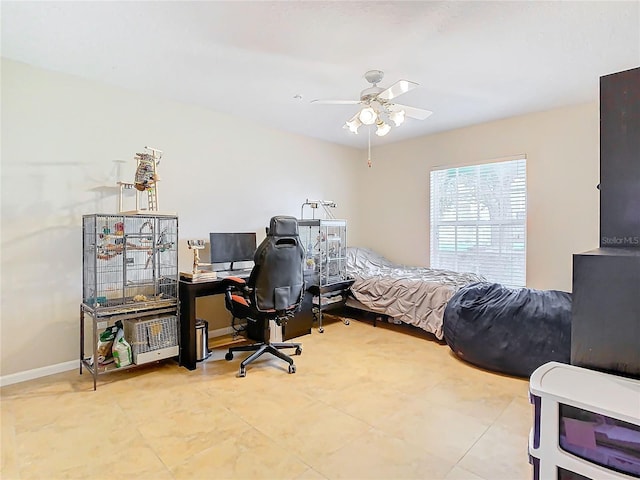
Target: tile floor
(387, 402)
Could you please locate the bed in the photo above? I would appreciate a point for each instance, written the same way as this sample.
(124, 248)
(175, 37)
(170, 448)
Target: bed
(413, 295)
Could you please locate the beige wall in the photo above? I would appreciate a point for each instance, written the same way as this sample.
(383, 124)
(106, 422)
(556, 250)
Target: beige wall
(61, 140)
(562, 173)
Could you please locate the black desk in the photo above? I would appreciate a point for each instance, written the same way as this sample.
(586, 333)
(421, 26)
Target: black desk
(188, 292)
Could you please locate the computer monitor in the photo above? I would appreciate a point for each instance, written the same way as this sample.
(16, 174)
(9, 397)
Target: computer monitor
(232, 247)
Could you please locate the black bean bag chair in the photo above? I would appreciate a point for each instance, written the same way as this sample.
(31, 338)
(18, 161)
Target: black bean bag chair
(508, 330)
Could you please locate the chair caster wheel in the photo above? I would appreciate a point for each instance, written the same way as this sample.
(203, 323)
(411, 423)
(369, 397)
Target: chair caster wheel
(292, 368)
(346, 321)
(321, 330)
(242, 372)
(228, 356)
(298, 350)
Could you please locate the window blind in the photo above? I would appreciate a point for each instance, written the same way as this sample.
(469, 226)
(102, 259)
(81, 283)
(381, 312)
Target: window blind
(478, 220)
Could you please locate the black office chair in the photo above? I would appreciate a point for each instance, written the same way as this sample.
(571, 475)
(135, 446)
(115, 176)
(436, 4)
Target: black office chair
(273, 292)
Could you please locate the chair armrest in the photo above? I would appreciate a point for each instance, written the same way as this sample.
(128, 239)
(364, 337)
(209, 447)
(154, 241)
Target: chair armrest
(234, 282)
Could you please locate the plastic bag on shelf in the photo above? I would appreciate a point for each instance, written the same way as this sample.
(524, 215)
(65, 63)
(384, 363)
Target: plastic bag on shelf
(105, 346)
(121, 350)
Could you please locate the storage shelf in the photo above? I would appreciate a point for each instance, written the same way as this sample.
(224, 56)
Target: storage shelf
(115, 316)
(103, 369)
(111, 367)
(120, 312)
(566, 393)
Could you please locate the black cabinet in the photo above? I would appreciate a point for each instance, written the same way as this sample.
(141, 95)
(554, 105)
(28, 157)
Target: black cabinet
(297, 326)
(605, 327)
(620, 159)
(317, 299)
(301, 323)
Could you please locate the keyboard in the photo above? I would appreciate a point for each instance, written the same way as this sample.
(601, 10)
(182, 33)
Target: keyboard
(234, 273)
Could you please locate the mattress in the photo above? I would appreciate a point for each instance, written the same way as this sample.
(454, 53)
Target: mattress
(413, 295)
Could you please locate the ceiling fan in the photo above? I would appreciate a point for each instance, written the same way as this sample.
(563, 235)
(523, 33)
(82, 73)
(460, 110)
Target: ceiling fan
(377, 106)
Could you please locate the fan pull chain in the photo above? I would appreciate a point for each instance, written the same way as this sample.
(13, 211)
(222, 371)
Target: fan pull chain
(369, 157)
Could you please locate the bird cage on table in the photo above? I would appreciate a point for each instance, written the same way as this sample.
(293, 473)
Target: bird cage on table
(129, 261)
(325, 243)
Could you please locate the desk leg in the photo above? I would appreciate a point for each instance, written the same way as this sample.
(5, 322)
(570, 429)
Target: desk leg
(187, 328)
(320, 327)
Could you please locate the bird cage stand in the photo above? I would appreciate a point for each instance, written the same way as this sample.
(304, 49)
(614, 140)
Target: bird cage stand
(130, 274)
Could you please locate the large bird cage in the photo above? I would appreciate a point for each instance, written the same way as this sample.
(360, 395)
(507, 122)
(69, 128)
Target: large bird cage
(325, 243)
(130, 262)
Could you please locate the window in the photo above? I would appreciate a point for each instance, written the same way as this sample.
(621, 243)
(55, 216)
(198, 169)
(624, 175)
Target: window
(479, 220)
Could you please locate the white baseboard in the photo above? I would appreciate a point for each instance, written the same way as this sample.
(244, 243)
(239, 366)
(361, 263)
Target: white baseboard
(219, 332)
(39, 372)
(73, 364)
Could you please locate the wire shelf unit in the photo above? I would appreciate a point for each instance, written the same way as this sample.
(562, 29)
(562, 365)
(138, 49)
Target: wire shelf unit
(130, 273)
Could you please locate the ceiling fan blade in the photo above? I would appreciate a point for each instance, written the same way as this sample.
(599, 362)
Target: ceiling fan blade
(336, 102)
(354, 117)
(397, 89)
(413, 112)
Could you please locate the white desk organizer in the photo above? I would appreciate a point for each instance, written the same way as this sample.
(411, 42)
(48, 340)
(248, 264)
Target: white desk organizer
(593, 439)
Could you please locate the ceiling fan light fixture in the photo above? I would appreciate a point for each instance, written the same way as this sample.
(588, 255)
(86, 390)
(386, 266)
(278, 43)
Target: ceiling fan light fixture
(397, 117)
(352, 125)
(377, 108)
(368, 116)
(383, 129)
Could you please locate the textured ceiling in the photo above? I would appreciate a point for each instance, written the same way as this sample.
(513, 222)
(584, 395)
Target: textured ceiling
(474, 61)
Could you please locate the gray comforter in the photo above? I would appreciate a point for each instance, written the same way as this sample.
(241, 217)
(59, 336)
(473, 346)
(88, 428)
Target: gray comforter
(414, 295)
